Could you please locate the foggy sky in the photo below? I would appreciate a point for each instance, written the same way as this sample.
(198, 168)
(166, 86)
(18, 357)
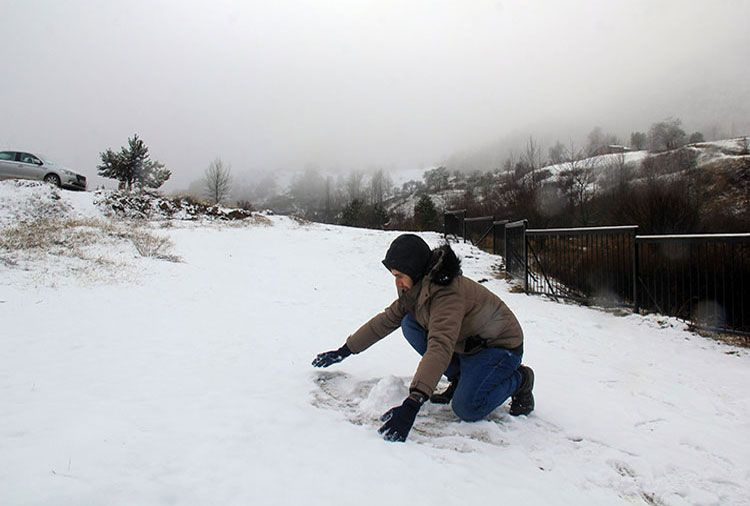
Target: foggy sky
(355, 84)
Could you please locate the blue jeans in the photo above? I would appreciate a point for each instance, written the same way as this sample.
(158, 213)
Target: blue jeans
(488, 377)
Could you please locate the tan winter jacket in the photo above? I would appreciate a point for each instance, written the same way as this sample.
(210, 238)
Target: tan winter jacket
(451, 308)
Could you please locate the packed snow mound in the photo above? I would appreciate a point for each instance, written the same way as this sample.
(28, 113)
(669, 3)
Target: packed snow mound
(388, 392)
(25, 201)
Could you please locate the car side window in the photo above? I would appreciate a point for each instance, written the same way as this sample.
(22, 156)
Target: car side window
(7, 155)
(27, 158)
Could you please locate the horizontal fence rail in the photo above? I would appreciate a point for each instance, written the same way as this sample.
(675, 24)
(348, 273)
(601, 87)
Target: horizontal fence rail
(701, 278)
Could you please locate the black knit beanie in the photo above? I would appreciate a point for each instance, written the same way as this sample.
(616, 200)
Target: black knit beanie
(409, 254)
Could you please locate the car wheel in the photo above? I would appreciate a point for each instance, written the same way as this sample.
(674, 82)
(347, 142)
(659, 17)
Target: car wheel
(52, 179)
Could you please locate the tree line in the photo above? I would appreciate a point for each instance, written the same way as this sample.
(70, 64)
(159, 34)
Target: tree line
(561, 186)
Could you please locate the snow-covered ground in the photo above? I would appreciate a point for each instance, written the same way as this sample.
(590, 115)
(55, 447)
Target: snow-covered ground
(600, 162)
(190, 383)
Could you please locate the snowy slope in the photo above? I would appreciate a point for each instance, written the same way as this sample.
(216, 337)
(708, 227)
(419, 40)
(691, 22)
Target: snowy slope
(190, 383)
(600, 162)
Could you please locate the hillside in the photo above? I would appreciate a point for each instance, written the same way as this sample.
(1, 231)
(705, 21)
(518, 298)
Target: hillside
(721, 160)
(185, 378)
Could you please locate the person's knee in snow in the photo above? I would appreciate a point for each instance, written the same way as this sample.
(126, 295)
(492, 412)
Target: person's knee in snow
(466, 409)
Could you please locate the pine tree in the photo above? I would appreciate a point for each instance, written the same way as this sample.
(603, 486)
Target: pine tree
(352, 215)
(425, 214)
(132, 166)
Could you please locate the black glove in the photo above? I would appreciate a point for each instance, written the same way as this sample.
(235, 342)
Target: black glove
(331, 357)
(398, 420)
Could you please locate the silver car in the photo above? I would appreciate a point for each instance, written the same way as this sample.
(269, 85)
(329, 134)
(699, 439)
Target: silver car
(23, 165)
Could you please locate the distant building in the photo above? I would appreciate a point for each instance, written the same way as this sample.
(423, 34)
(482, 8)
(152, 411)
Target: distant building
(611, 149)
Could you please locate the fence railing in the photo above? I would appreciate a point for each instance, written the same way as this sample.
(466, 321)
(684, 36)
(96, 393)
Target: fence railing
(592, 264)
(702, 279)
(479, 231)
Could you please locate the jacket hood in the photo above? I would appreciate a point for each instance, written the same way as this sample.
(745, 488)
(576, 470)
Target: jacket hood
(445, 266)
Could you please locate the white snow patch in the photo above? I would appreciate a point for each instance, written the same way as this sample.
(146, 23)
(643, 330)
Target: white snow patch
(191, 384)
(388, 392)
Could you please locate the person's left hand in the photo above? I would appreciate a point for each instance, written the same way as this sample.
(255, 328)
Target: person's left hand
(399, 420)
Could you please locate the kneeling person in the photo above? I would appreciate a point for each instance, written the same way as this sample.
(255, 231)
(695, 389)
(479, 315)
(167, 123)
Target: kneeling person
(461, 329)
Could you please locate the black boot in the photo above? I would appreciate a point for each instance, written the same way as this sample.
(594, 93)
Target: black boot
(522, 402)
(446, 395)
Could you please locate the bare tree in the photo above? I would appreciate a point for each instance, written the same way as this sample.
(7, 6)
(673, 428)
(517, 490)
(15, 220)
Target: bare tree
(436, 179)
(617, 172)
(380, 186)
(638, 140)
(310, 193)
(354, 184)
(532, 159)
(557, 153)
(598, 141)
(577, 183)
(217, 181)
(666, 135)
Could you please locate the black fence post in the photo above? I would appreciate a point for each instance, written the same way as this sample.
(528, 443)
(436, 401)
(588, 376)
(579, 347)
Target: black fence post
(525, 258)
(636, 273)
(463, 226)
(494, 240)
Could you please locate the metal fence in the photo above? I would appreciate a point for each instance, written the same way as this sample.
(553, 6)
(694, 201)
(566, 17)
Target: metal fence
(479, 231)
(702, 279)
(592, 264)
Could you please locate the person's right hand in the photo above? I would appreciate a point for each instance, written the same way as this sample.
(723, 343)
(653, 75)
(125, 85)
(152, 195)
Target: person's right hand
(331, 357)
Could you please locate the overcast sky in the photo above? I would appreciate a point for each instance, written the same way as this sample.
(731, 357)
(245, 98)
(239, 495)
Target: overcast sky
(355, 84)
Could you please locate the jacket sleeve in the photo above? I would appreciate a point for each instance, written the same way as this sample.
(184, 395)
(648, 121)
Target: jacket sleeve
(446, 316)
(377, 328)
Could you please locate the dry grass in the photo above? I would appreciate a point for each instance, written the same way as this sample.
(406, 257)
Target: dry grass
(48, 234)
(71, 238)
(150, 245)
(256, 220)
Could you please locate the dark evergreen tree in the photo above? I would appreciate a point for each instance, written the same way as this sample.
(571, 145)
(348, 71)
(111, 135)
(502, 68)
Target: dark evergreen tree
(353, 213)
(376, 216)
(425, 214)
(132, 166)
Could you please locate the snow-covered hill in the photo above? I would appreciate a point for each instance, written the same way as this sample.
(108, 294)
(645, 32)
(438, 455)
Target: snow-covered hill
(189, 382)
